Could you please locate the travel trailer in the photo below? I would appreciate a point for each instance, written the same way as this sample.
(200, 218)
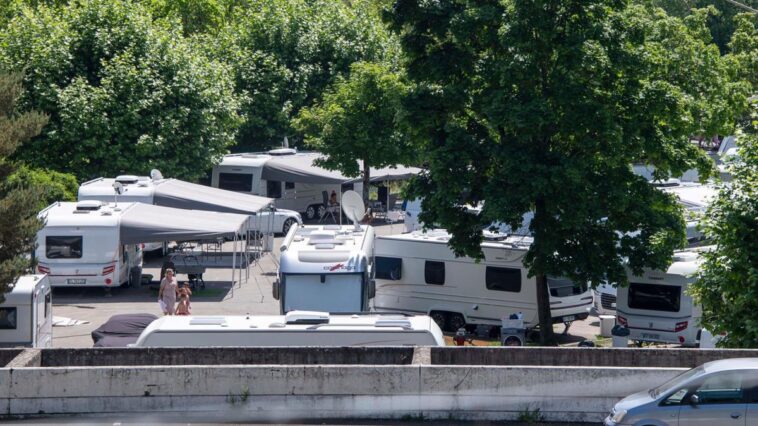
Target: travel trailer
(80, 246)
(326, 268)
(292, 179)
(656, 307)
(419, 273)
(26, 316)
(185, 195)
(296, 328)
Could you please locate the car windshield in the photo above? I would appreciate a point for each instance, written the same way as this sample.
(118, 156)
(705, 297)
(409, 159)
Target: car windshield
(676, 382)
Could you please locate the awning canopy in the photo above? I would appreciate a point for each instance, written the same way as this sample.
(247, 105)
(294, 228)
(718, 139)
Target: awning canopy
(143, 223)
(184, 195)
(300, 168)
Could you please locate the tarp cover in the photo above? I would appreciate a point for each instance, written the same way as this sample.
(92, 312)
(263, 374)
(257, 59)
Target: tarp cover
(300, 168)
(143, 223)
(123, 325)
(185, 195)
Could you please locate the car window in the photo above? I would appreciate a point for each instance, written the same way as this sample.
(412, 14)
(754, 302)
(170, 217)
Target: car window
(750, 385)
(676, 397)
(721, 388)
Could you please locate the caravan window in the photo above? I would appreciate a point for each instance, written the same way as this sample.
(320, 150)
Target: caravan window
(389, 268)
(274, 189)
(563, 287)
(289, 185)
(434, 272)
(63, 247)
(236, 181)
(654, 297)
(503, 279)
(8, 319)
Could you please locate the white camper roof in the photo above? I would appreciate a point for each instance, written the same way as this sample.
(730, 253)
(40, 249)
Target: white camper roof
(174, 193)
(693, 196)
(138, 223)
(324, 324)
(442, 236)
(23, 289)
(292, 166)
(345, 248)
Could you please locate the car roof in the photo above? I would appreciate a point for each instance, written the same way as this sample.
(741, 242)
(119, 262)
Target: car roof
(731, 364)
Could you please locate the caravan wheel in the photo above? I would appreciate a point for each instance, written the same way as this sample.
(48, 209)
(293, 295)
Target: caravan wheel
(456, 322)
(135, 277)
(440, 318)
(310, 212)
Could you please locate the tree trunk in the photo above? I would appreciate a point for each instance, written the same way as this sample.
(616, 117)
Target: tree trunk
(366, 181)
(547, 337)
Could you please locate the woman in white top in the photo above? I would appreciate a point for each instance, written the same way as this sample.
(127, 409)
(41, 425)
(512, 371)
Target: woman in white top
(168, 292)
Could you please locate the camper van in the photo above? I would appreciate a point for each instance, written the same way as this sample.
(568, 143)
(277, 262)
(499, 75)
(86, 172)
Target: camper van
(656, 306)
(26, 316)
(80, 246)
(296, 328)
(326, 268)
(180, 194)
(292, 179)
(419, 273)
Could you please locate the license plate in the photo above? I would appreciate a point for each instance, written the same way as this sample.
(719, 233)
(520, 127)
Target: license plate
(651, 336)
(568, 318)
(76, 281)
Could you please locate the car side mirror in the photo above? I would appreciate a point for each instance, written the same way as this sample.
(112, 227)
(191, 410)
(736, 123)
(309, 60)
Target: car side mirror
(694, 400)
(275, 289)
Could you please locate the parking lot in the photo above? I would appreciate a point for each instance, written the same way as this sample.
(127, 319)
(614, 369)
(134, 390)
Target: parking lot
(220, 297)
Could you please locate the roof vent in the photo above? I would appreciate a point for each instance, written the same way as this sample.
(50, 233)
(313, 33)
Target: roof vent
(283, 151)
(88, 205)
(127, 179)
(306, 317)
(208, 321)
(403, 323)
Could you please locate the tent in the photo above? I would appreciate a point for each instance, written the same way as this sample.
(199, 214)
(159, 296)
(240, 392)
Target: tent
(185, 195)
(300, 167)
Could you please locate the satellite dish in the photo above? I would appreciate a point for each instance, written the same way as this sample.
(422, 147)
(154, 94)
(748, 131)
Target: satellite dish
(156, 174)
(118, 187)
(352, 205)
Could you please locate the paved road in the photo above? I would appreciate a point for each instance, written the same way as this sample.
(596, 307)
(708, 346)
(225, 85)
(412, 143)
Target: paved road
(252, 296)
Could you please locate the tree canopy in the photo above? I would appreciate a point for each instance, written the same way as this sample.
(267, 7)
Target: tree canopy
(543, 106)
(359, 119)
(727, 283)
(124, 93)
(18, 203)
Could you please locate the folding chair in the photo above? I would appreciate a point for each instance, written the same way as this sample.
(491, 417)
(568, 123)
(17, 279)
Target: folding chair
(329, 209)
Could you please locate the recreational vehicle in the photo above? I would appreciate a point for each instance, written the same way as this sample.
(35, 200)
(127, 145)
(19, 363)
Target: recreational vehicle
(26, 316)
(419, 273)
(296, 328)
(326, 268)
(80, 246)
(179, 194)
(292, 179)
(656, 307)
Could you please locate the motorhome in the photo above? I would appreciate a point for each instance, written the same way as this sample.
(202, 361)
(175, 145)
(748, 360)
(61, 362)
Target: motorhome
(296, 328)
(419, 273)
(326, 268)
(292, 178)
(179, 194)
(656, 306)
(80, 246)
(26, 315)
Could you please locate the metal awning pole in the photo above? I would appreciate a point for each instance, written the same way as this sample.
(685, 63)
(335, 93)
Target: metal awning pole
(234, 257)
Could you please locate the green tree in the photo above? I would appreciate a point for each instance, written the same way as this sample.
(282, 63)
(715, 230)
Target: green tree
(18, 203)
(124, 93)
(727, 283)
(53, 186)
(543, 106)
(359, 119)
(286, 53)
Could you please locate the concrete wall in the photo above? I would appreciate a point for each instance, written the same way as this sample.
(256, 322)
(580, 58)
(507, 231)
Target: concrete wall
(6, 355)
(266, 392)
(631, 357)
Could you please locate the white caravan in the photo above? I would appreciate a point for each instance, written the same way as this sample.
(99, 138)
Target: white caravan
(326, 268)
(296, 328)
(656, 307)
(180, 194)
(80, 246)
(26, 316)
(419, 273)
(292, 179)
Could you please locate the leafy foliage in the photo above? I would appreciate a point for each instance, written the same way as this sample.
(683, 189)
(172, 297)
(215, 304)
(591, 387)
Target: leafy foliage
(542, 106)
(18, 203)
(359, 120)
(286, 53)
(54, 186)
(124, 93)
(727, 284)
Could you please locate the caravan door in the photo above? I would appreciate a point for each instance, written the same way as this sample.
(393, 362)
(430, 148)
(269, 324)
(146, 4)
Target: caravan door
(42, 316)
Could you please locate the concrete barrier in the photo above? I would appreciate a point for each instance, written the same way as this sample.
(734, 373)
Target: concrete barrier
(308, 392)
(6, 355)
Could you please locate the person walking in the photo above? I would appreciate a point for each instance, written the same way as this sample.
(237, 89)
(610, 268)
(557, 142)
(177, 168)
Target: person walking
(168, 292)
(183, 307)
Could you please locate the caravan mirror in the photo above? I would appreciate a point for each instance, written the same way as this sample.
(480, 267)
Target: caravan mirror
(275, 290)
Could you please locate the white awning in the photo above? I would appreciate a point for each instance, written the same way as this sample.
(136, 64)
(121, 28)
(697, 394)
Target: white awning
(300, 168)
